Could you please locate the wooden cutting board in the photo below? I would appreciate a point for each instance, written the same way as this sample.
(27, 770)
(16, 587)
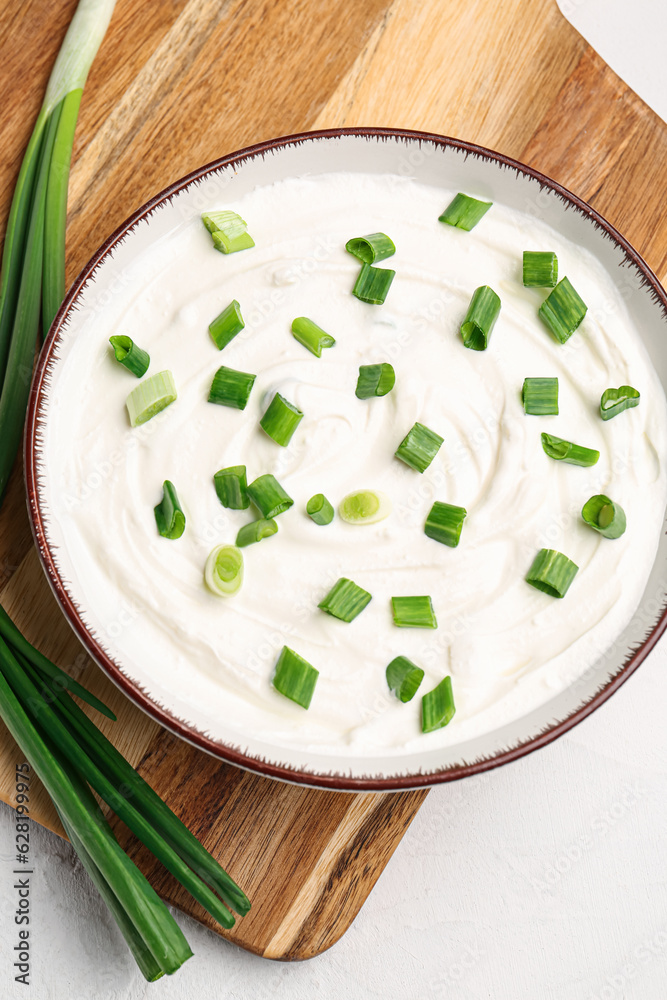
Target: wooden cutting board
(180, 83)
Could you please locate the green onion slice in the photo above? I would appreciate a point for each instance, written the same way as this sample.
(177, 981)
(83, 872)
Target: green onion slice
(419, 447)
(228, 231)
(480, 319)
(376, 246)
(223, 573)
(231, 388)
(281, 420)
(444, 523)
(604, 516)
(365, 507)
(540, 396)
(413, 612)
(438, 706)
(345, 600)
(566, 451)
(231, 487)
(226, 326)
(404, 678)
(562, 311)
(150, 397)
(295, 678)
(130, 356)
(311, 335)
(256, 531)
(552, 572)
(465, 212)
(373, 284)
(268, 496)
(319, 509)
(614, 401)
(540, 269)
(169, 515)
(375, 380)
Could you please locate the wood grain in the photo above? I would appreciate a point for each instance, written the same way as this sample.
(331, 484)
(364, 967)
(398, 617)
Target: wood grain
(179, 83)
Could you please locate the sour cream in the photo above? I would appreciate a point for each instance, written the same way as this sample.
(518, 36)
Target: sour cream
(507, 646)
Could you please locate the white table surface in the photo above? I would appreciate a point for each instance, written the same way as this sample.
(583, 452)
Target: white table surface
(543, 880)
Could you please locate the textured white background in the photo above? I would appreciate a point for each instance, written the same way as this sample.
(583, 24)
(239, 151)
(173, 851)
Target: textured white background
(544, 880)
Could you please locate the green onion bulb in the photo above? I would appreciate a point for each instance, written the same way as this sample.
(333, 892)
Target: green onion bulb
(223, 573)
(150, 397)
(365, 507)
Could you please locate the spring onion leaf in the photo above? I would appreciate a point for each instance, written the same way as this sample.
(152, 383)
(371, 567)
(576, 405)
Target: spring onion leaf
(169, 515)
(614, 401)
(419, 447)
(373, 284)
(319, 509)
(268, 496)
(345, 600)
(540, 269)
(281, 420)
(552, 572)
(223, 572)
(227, 325)
(228, 231)
(438, 706)
(150, 397)
(480, 318)
(540, 396)
(372, 248)
(365, 507)
(231, 487)
(566, 451)
(129, 355)
(404, 678)
(295, 678)
(464, 212)
(375, 380)
(562, 311)
(413, 612)
(604, 516)
(231, 388)
(312, 336)
(256, 531)
(444, 523)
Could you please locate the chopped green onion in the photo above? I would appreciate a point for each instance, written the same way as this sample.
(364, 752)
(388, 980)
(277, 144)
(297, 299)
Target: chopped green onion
(540, 396)
(375, 380)
(231, 487)
(281, 420)
(438, 706)
(268, 496)
(604, 516)
(226, 326)
(540, 269)
(419, 447)
(552, 572)
(295, 678)
(365, 507)
(480, 319)
(319, 509)
(231, 388)
(228, 231)
(169, 515)
(373, 284)
(345, 600)
(614, 401)
(464, 212)
(311, 335)
(376, 246)
(562, 311)
(444, 523)
(404, 678)
(129, 355)
(224, 570)
(413, 612)
(255, 531)
(566, 451)
(150, 397)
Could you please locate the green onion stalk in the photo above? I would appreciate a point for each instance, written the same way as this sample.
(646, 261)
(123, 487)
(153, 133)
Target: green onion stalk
(64, 747)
